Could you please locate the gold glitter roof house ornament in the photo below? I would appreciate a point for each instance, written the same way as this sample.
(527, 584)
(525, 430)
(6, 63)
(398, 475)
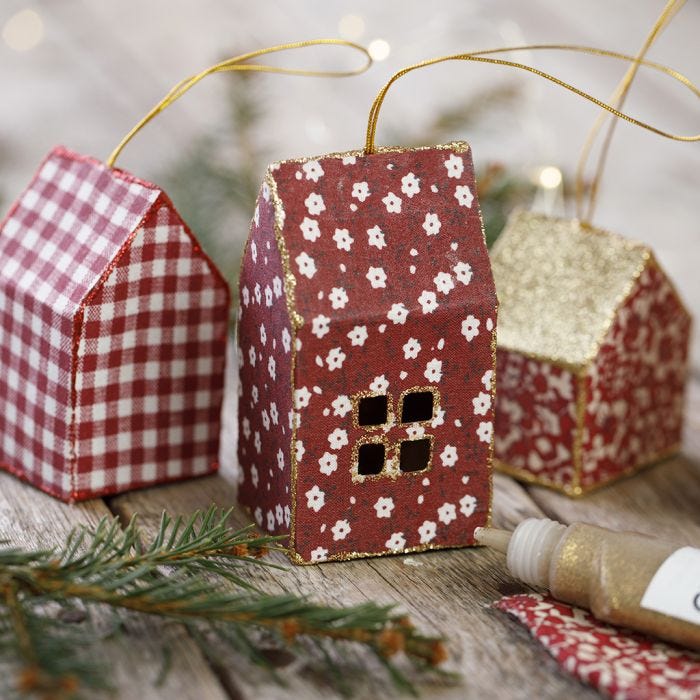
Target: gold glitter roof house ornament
(592, 355)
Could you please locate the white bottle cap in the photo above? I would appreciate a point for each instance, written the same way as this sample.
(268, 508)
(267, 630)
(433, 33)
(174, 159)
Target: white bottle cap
(530, 550)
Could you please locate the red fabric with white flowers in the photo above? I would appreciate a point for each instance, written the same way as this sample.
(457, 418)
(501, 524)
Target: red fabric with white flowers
(394, 284)
(621, 664)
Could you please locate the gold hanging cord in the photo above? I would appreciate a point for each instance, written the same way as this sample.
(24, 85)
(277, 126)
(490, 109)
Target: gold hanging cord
(617, 100)
(481, 57)
(239, 63)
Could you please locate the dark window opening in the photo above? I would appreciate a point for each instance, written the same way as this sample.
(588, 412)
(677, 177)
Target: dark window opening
(417, 406)
(372, 410)
(415, 455)
(370, 458)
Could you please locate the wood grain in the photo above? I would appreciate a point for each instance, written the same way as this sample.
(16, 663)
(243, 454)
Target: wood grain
(29, 518)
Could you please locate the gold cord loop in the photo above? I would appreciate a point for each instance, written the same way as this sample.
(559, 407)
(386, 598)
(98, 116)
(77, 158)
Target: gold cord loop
(239, 63)
(617, 100)
(481, 57)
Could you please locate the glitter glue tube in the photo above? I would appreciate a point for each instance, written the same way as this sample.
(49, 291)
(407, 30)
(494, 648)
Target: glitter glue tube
(624, 578)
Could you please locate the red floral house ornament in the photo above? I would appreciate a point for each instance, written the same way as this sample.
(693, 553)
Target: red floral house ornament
(592, 355)
(366, 352)
(113, 327)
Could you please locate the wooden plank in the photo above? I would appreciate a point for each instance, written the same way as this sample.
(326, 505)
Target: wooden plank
(30, 518)
(448, 592)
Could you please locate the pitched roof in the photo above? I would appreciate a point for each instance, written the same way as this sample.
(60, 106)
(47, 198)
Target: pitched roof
(399, 229)
(559, 284)
(65, 229)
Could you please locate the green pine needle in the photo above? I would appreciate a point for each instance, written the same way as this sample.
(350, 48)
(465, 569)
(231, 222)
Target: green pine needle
(193, 571)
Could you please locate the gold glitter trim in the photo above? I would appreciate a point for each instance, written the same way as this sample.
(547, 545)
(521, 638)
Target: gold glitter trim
(579, 491)
(388, 469)
(579, 431)
(419, 390)
(494, 389)
(546, 312)
(390, 416)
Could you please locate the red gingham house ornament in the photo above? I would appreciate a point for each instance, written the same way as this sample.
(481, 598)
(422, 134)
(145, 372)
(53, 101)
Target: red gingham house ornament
(113, 326)
(592, 355)
(366, 349)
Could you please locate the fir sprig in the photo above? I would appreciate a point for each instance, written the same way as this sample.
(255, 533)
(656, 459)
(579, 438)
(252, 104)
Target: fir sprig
(193, 571)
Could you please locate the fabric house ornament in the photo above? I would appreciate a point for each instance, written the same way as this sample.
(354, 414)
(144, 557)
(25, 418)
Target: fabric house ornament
(113, 327)
(592, 355)
(366, 350)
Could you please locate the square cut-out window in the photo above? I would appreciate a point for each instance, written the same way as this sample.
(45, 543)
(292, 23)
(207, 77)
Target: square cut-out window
(414, 455)
(370, 458)
(417, 406)
(372, 410)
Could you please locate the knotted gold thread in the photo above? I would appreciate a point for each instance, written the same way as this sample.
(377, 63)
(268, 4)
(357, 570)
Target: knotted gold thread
(617, 99)
(238, 63)
(480, 56)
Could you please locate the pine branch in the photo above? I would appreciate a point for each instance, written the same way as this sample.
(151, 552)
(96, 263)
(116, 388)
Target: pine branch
(193, 571)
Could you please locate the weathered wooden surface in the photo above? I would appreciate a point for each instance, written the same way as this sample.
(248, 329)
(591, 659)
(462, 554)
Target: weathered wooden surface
(448, 592)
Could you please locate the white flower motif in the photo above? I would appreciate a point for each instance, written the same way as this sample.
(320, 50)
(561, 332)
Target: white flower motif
(427, 531)
(254, 251)
(270, 520)
(464, 196)
(309, 229)
(467, 505)
(379, 384)
(470, 327)
(258, 516)
(343, 239)
(340, 530)
(306, 265)
(252, 355)
(257, 441)
(447, 513)
(428, 301)
(432, 224)
(254, 476)
(410, 185)
(349, 160)
(444, 282)
(376, 237)
(360, 190)
(263, 334)
(245, 294)
(455, 166)
(258, 293)
(287, 515)
(411, 349)
(254, 393)
(256, 216)
(279, 513)
(384, 506)
(449, 456)
(328, 463)
(376, 277)
(272, 367)
(268, 296)
(313, 170)
(299, 451)
(398, 313)
(433, 371)
(396, 542)
(413, 432)
(463, 272)
(315, 498)
(358, 335)
(341, 406)
(485, 431)
(338, 297)
(277, 287)
(302, 397)
(482, 403)
(338, 438)
(486, 379)
(274, 413)
(319, 554)
(315, 204)
(320, 325)
(286, 340)
(335, 359)
(392, 203)
(246, 428)
(280, 459)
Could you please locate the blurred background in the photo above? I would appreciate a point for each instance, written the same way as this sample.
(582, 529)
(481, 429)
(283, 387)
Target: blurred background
(83, 73)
